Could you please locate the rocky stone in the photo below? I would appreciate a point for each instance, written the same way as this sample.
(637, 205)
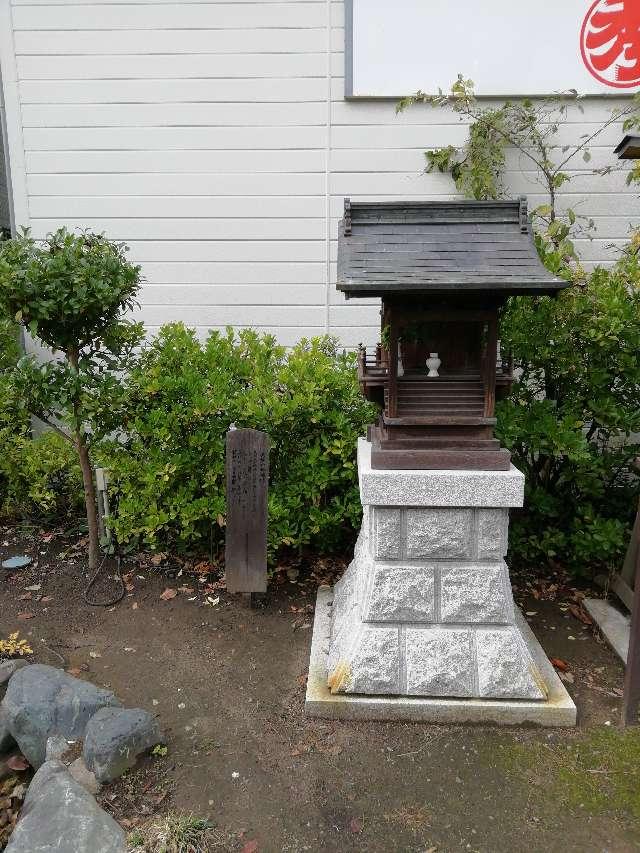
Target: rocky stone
(401, 594)
(505, 667)
(475, 593)
(59, 814)
(438, 532)
(388, 534)
(42, 701)
(56, 747)
(114, 739)
(493, 533)
(366, 662)
(439, 662)
(6, 738)
(7, 669)
(437, 488)
(81, 773)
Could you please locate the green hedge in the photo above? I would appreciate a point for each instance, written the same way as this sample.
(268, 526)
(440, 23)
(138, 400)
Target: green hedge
(573, 418)
(38, 477)
(167, 462)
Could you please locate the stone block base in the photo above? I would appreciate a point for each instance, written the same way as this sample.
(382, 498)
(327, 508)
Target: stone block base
(557, 709)
(426, 608)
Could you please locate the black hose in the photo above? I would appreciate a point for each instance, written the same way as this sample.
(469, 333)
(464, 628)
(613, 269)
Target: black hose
(118, 578)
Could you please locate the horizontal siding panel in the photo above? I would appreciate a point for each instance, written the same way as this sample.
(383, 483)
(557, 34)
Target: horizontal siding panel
(117, 16)
(260, 161)
(173, 115)
(244, 315)
(350, 336)
(435, 183)
(176, 207)
(192, 90)
(219, 42)
(159, 138)
(17, 3)
(119, 228)
(233, 273)
(257, 65)
(398, 135)
(192, 184)
(289, 251)
(231, 294)
(351, 314)
(383, 111)
(411, 160)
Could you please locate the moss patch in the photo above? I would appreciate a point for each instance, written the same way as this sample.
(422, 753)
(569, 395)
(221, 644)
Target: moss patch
(598, 771)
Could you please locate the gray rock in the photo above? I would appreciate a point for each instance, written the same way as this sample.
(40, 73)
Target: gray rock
(475, 593)
(388, 533)
(114, 739)
(401, 594)
(439, 662)
(56, 747)
(81, 773)
(6, 738)
(7, 669)
(59, 814)
(438, 532)
(42, 701)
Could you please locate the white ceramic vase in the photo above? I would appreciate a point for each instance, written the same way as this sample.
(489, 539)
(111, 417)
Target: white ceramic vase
(433, 363)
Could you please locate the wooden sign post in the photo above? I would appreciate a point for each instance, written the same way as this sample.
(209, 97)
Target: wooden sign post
(247, 464)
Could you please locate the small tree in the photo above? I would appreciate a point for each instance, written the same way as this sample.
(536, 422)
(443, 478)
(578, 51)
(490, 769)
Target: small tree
(71, 291)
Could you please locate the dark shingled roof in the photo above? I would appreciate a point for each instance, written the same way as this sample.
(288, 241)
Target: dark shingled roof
(436, 247)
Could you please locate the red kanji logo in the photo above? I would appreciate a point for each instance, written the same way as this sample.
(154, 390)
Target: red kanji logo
(610, 42)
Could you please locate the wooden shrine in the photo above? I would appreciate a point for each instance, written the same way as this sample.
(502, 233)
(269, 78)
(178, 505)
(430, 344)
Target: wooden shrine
(443, 271)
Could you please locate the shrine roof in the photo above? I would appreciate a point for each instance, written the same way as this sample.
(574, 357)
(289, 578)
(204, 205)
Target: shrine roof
(438, 247)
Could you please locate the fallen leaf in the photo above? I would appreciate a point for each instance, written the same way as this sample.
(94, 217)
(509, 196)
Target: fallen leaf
(250, 846)
(560, 664)
(134, 606)
(157, 559)
(25, 597)
(17, 762)
(34, 588)
(567, 677)
(168, 594)
(95, 655)
(355, 825)
(46, 599)
(580, 614)
(25, 616)
(74, 671)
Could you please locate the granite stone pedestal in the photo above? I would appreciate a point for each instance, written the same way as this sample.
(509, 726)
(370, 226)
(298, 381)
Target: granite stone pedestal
(423, 624)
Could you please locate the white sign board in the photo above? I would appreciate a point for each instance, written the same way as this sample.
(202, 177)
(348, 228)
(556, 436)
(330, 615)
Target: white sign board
(507, 48)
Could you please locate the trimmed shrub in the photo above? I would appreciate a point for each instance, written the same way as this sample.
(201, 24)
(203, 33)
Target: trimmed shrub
(38, 477)
(167, 464)
(573, 419)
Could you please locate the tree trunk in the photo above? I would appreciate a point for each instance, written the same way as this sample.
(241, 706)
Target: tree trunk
(89, 501)
(87, 474)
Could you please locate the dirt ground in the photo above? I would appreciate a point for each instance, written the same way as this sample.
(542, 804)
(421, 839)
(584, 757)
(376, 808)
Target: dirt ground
(227, 683)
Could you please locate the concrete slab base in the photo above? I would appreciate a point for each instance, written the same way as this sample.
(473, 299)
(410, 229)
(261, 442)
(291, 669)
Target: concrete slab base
(558, 710)
(615, 626)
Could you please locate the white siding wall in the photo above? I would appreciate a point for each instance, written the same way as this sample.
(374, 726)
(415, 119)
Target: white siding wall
(214, 139)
